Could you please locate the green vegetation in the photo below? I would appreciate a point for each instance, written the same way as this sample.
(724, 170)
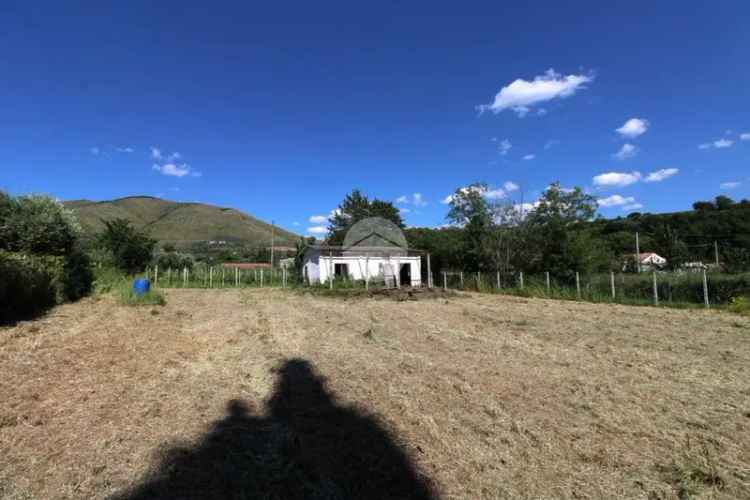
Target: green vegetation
(356, 207)
(128, 249)
(183, 224)
(41, 260)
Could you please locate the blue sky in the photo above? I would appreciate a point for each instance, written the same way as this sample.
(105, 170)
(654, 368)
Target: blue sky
(281, 109)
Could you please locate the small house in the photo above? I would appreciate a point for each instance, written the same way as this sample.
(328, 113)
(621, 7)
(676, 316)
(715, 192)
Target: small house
(374, 250)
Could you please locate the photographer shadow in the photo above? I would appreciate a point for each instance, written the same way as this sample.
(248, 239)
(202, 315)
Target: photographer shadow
(307, 446)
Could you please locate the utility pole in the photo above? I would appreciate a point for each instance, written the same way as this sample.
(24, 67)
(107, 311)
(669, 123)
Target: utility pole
(272, 231)
(716, 253)
(637, 253)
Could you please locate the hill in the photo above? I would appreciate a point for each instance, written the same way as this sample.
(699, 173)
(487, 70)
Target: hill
(180, 223)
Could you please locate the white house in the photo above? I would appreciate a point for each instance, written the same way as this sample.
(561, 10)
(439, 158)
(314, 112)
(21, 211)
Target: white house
(649, 261)
(374, 250)
(392, 268)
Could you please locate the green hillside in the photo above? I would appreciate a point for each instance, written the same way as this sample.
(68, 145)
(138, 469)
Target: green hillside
(180, 223)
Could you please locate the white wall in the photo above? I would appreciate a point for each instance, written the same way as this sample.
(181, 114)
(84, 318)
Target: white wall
(321, 268)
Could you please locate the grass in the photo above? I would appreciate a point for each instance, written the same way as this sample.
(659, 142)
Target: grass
(273, 393)
(111, 281)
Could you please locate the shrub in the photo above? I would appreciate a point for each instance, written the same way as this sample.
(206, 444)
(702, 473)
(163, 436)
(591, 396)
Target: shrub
(37, 224)
(42, 262)
(27, 286)
(130, 249)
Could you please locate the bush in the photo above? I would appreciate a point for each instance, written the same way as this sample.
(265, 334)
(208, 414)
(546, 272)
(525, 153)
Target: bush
(27, 286)
(41, 261)
(38, 225)
(129, 248)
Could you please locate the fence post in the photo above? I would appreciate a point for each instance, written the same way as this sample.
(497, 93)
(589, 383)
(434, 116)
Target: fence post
(578, 285)
(445, 281)
(261, 278)
(461, 276)
(520, 277)
(223, 272)
(211, 277)
(705, 289)
(656, 291)
(283, 277)
(549, 285)
(156, 275)
(479, 279)
(429, 272)
(612, 283)
(498, 280)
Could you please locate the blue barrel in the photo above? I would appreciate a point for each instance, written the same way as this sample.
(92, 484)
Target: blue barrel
(141, 286)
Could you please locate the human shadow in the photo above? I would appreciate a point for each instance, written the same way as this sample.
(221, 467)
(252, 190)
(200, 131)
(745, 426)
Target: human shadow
(306, 446)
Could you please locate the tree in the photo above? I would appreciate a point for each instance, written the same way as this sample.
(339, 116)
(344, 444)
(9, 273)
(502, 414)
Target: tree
(470, 210)
(130, 249)
(559, 239)
(703, 206)
(356, 207)
(722, 202)
(668, 245)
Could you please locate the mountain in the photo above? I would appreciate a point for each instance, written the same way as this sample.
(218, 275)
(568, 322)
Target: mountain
(180, 223)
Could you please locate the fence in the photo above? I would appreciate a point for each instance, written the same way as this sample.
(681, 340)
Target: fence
(657, 288)
(220, 277)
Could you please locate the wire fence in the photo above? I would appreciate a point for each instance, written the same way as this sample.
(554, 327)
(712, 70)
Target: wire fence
(655, 288)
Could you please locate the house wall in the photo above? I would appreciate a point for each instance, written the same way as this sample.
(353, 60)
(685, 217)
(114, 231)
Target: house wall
(321, 267)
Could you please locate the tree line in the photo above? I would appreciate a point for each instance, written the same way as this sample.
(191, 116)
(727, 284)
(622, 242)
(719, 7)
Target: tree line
(561, 233)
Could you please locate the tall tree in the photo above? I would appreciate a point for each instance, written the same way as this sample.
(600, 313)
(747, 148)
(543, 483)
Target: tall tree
(471, 210)
(356, 207)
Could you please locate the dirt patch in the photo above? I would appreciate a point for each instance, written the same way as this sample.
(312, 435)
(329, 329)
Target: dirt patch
(483, 397)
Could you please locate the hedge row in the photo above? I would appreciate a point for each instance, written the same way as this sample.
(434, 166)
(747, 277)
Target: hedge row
(29, 284)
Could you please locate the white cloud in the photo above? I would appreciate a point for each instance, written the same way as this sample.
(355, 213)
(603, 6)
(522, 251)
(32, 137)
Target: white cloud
(510, 186)
(660, 175)
(124, 149)
(404, 210)
(155, 153)
(616, 179)
(718, 144)
(295, 223)
(521, 95)
(626, 151)
(95, 151)
(745, 136)
(416, 199)
(615, 201)
(633, 128)
(632, 206)
(490, 194)
(551, 143)
(541, 112)
(730, 185)
(174, 170)
(318, 219)
(504, 147)
(317, 230)
(529, 157)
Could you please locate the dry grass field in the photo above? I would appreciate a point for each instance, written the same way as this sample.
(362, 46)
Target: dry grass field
(277, 394)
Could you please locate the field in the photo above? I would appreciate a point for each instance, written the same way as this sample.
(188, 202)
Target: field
(263, 393)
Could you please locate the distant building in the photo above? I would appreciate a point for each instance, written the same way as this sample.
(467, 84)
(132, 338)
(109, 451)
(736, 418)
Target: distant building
(649, 261)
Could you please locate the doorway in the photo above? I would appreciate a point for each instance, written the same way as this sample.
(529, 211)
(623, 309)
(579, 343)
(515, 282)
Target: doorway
(341, 271)
(404, 275)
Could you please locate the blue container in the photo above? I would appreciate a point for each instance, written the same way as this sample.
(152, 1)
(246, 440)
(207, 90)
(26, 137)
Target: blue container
(141, 286)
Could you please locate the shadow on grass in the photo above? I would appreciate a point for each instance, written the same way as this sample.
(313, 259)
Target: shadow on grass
(307, 446)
